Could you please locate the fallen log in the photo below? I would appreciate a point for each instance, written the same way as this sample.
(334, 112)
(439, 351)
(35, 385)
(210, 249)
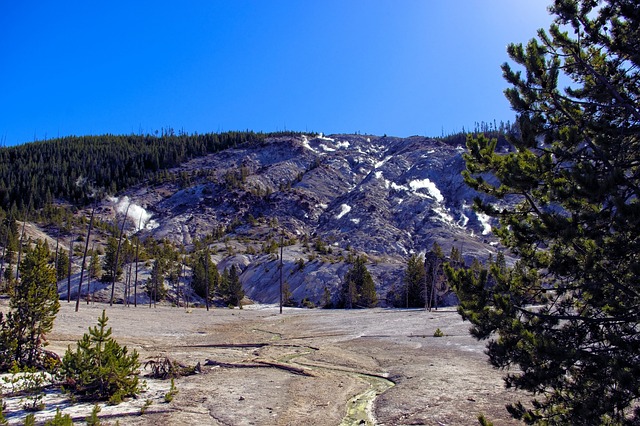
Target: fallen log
(260, 364)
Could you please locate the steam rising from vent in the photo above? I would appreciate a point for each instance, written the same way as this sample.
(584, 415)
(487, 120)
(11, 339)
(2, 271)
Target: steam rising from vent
(83, 182)
(138, 215)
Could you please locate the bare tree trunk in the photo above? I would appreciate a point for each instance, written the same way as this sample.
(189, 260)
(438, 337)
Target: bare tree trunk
(184, 285)
(55, 262)
(155, 286)
(84, 256)
(427, 296)
(206, 278)
(281, 267)
(24, 224)
(4, 251)
(135, 282)
(128, 286)
(69, 271)
(434, 274)
(91, 272)
(187, 293)
(115, 267)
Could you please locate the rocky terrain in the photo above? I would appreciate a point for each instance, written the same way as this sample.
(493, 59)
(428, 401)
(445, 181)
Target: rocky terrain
(320, 367)
(324, 197)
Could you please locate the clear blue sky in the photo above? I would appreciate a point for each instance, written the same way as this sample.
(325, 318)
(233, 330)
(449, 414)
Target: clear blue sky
(400, 67)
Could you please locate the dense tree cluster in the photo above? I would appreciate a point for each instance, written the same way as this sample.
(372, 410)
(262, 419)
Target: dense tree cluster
(358, 289)
(70, 168)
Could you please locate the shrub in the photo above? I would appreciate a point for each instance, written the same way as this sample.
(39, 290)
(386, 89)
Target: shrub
(60, 419)
(3, 420)
(173, 391)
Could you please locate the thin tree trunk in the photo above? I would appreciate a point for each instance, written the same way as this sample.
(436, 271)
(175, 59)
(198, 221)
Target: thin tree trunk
(115, 267)
(177, 289)
(24, 224)
(206, 277)
(184, 285)
(55, 262)
(129, 277)
(155, 286)
(427, 296)
(84, 256)
(135, 282)
(91, 272)
(69, 269)
(4, 252)
(433, 300)
(187, 294)
(281, 267)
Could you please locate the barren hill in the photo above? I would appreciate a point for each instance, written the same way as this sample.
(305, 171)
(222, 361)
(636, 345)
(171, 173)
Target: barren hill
(325, 197)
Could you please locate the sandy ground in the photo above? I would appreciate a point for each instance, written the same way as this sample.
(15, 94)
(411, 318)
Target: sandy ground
(315, 367)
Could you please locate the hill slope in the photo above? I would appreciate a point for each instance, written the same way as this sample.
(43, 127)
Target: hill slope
(326, 197)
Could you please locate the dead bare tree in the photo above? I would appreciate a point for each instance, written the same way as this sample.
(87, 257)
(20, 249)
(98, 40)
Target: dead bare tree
(206, 277)
(115, 266)
(4, 249)
(135, 282)
(69, 271)
(91, 272)
(24, 224)
(84, 256)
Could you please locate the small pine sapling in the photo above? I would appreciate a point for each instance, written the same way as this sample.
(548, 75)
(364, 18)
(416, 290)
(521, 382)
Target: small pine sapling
(99, 368)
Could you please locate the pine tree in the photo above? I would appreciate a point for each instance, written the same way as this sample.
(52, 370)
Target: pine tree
(571, 214)
(34, 305)
(63, 265)
(95, 269)
(327, 300)
(414, 282)
(358, 288)
(287, 296)
(99, 368)
(155, 287)
(199, 275)
(109, 261)
(234, 291)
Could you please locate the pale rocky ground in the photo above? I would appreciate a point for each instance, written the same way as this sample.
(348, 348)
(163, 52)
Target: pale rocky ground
(437, 381)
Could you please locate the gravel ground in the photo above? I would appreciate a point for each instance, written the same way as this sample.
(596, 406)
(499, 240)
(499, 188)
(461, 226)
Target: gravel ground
(320, 367)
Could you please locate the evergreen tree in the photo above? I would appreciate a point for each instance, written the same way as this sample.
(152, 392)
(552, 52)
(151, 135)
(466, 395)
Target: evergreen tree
(155, 287)
(199, 275)
(95, 269)
(63, 265)
(287, 296)
(3, 420)
(572, 183)
(234, 291)
(435, 280)
(34, 305)
(358, 288)
(109, 261)
(414, 282)
(99, 368)
(327, 300)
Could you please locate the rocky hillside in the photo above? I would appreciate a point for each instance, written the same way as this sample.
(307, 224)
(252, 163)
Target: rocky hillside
(325, 197)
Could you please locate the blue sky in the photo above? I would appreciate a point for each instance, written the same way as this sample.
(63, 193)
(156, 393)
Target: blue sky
(396, 67)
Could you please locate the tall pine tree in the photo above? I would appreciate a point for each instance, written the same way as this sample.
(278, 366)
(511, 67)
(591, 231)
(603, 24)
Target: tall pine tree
(34, 305)
(571, 182)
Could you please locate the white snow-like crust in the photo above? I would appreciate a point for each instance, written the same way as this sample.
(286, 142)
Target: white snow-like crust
(345, 208)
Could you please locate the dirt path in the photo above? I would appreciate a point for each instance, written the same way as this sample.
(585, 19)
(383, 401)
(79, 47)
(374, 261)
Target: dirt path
(321, 367)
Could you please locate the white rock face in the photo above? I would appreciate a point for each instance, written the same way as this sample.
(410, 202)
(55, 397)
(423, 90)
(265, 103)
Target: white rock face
(381, 196)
